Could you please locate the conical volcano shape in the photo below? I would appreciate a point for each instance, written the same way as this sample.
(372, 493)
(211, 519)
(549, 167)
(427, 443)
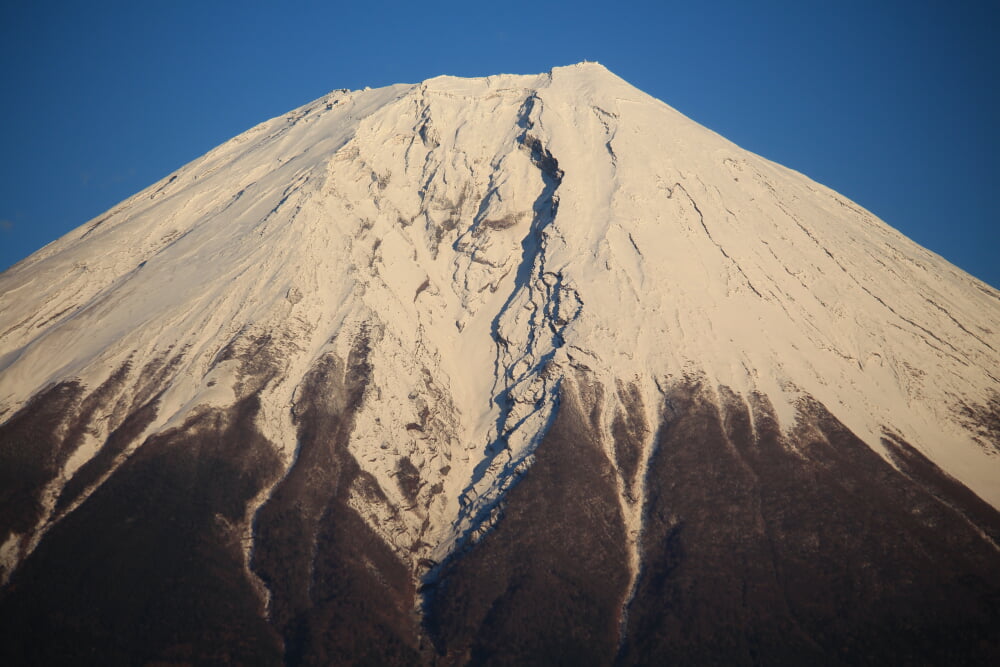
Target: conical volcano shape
(523, 369)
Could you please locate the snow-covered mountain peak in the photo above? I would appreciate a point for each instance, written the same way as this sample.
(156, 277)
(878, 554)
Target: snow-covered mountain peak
(468, 252)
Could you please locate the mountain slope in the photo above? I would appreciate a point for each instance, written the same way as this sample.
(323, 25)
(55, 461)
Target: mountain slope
(517, 368)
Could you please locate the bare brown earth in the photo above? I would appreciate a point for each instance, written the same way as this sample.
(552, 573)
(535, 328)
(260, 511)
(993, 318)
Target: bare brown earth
(339, 595)
(545, 587)
(756, 549)
(758, 554)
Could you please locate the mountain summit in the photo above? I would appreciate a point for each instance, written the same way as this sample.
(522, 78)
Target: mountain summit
(513, 370)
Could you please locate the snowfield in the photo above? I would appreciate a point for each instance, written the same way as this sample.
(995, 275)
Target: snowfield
(489, 242)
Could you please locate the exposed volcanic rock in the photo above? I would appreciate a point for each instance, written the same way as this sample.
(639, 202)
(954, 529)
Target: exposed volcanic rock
(763, 548)
(338, 594)
(515, 370)
(547, 585)
(32, 453)
(151, 566)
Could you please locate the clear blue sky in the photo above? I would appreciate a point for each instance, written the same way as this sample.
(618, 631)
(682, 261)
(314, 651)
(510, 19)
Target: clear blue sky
(893, 104)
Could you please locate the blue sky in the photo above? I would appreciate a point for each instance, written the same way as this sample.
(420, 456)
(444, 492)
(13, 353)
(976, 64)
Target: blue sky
(893, 104)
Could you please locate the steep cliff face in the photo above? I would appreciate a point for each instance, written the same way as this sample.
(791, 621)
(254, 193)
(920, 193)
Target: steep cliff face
(524, 368)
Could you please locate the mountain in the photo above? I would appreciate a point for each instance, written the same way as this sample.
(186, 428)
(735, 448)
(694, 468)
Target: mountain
(512, 370)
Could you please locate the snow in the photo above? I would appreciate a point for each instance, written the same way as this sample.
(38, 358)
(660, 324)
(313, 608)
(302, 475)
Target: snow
(419, 216)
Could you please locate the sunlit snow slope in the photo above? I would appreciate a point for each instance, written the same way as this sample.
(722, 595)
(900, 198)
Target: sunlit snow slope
(458, 258)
